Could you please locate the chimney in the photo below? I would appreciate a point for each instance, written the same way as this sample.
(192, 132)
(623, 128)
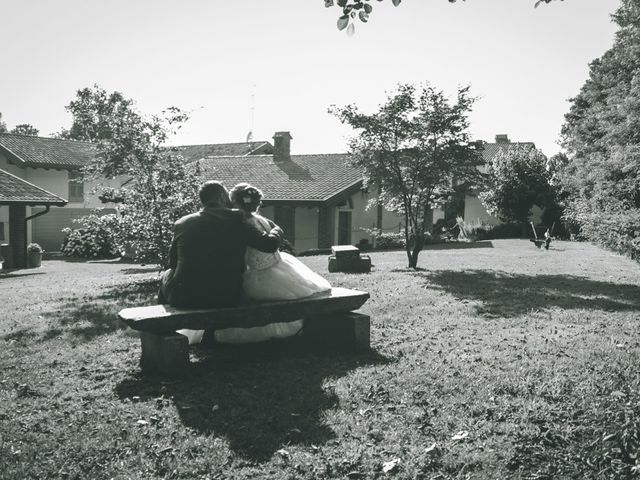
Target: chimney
(281, 147)
(502, 138)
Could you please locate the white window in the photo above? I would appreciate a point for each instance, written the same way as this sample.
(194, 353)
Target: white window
(76, 187)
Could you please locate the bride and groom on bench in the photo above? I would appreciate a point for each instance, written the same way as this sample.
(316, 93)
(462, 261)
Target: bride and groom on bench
(226, 254)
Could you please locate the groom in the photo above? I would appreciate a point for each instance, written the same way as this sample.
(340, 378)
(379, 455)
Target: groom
(206, 259)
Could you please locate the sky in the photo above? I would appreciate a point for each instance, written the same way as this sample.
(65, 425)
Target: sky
(265, 66)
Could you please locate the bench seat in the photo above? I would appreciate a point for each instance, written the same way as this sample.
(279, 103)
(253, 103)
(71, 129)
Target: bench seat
(329, 317)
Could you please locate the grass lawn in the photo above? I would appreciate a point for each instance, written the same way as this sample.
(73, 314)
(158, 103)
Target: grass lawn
(501, 361)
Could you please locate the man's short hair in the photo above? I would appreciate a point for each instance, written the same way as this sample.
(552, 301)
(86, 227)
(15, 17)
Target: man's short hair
(213, 193)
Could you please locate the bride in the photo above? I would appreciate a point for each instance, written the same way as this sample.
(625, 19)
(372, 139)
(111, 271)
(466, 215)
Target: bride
(269, 276)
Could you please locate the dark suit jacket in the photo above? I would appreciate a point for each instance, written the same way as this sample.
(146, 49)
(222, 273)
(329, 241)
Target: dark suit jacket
(206, 258)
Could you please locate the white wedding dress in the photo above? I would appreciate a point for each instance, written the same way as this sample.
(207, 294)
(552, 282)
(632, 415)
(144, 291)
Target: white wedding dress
(270, 277)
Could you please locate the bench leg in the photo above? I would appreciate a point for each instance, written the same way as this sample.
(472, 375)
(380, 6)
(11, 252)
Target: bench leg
(350, 330)
(164, 353)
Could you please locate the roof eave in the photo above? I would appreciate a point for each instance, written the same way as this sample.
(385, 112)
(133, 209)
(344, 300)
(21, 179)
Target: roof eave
(12, 156)
(354, 187)
(297, 201)
(33, 203)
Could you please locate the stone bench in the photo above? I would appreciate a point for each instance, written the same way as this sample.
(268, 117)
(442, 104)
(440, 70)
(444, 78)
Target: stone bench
(328, 317)
(347, 258)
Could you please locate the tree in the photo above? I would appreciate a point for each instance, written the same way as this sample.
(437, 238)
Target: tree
(517, 180)
(361, 9)
(26, 129)
(151, 204)
(160, 188)
(96, 113)
(415, 150)
(3, 126)
(602, 137)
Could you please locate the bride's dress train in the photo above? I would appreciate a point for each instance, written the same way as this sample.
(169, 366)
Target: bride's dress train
(270, 277)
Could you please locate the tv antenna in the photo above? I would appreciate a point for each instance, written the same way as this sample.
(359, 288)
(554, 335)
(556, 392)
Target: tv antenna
(253, 113)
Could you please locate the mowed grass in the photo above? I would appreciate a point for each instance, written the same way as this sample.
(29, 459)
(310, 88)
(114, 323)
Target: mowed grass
(494, 361)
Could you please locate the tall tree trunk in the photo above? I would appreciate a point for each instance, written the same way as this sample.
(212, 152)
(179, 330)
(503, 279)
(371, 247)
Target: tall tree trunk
(407, 244)
(417, 248)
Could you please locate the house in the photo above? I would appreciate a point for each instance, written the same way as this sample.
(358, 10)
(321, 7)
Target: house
(53, 165)
(318, 200)
(472, 208)
(16, 195)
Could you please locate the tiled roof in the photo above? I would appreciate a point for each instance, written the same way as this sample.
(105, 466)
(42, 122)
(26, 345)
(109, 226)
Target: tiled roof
(35, 152)
(196, 152)
(492, 149)
(16, 190)
(304, 178)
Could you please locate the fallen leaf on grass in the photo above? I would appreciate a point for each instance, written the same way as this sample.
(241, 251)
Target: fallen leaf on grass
(142, 422)
(216, 407)
(283, 453)
(391, 466)
(462, 434)
(430, 449)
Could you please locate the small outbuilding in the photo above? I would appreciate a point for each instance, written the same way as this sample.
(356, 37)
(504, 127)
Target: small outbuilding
(17, 194)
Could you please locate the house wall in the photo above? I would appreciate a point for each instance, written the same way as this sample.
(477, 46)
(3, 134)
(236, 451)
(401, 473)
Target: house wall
(365, 218)
(306, 221)
(474, 210)
(306, 228)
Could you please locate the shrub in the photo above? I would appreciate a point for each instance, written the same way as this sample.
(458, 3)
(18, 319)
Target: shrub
(619, 231)
(34, 248)
(315, 251)
(364, 245)
(95, 239)
(389, 240)
(470, 230)
(502, 230)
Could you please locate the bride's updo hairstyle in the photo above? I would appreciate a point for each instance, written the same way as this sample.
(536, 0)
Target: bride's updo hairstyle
(246, 197)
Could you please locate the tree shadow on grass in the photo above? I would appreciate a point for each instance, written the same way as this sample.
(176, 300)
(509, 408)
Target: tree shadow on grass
(96, 316)
(10, 274)
(138, 292)
(260, 397)
(459, 245)
(89, 317)
(140, 269)
(509, 295)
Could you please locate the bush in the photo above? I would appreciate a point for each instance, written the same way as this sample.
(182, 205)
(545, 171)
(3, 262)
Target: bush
(95, 239)
(502, 230)
(34, 248)
(618, 231)
(389, 240)
(315, 251)
(478, 230)
(364, 245)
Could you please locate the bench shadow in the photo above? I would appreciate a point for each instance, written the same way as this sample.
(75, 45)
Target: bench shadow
(508, 295)
(259, 397)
